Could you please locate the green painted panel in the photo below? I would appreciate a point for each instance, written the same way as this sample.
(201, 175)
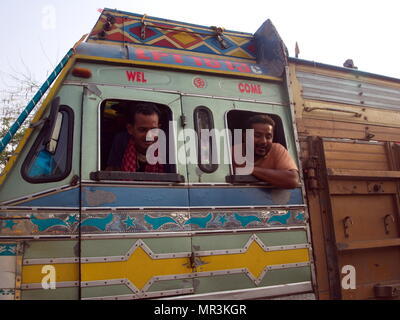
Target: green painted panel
(222, 283)
(104, 291)
(15, 186)
(118, 247)
(56, 294)
(50, 249)
(284, 276)
(171, 285)
(106, 247)
(218, 109)
(168, 245)
(215, 85)
(280, 238)
(237, 241)
(219, 242)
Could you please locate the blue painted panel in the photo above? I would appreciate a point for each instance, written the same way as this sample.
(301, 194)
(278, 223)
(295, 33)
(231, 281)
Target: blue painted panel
(68, 198)
(120, 196)
(113, 196)
(244, 197)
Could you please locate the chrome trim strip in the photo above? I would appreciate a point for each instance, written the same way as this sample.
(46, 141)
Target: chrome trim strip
(66, 284)
(254, 293)
(89, 183)
(145, 295)
(38, 209)
(151, 234)
(269, 207)
(187, 234)
(37, 237)
(28, 262)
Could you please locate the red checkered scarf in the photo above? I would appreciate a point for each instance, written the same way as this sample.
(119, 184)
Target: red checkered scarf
(129, 161)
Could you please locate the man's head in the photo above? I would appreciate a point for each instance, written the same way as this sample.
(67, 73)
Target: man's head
(145, 118)
(263, 127)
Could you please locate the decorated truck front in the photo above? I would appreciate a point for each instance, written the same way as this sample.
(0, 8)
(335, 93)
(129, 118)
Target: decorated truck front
(72, 229)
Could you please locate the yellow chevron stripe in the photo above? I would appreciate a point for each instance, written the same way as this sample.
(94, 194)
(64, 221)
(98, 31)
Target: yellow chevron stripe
(140, 267)
(64, 272)
(255, 259)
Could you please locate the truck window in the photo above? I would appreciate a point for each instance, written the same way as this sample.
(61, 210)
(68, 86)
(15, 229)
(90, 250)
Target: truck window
(207, 151)
(123, 148)
(52, 161)
(237, 120)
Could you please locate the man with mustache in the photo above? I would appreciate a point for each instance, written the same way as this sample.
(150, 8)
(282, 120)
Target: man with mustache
(272, 162)
(128, 152)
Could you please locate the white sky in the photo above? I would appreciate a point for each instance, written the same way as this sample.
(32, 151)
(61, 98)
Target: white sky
(37, 34)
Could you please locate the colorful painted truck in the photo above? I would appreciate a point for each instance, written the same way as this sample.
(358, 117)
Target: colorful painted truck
(70, 229)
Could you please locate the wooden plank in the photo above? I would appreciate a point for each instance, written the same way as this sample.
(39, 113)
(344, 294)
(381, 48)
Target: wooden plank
(355, 156)
(354, 165)
(354, 147)
(369, 116)
(342, 129)
(368, 244)
(347, 173)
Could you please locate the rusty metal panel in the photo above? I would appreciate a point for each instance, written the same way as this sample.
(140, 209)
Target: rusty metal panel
(364, 217)
(357, 187)
(388, 290)
(321, 87)
(375, 266)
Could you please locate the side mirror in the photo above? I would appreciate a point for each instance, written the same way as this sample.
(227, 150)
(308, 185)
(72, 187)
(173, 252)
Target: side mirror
(53, 126)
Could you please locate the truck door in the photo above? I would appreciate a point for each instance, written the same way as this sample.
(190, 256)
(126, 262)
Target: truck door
(357, 185)
(248, 238)
(134, 240)
(39, 212)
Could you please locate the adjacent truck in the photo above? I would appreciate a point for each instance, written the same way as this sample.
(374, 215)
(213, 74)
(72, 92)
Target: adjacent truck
(70, 229)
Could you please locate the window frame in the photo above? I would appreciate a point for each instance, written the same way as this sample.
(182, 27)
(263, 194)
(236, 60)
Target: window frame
(134, 177)
(250, 179)
(38, 142)
(214, 167)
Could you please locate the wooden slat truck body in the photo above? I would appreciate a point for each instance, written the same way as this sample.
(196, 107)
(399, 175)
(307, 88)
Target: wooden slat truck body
(349, 131)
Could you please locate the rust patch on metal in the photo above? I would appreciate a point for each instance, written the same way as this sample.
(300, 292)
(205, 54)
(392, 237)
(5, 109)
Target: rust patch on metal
(99, 197)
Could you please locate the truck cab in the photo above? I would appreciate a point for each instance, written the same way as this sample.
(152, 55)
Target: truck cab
(71, 228)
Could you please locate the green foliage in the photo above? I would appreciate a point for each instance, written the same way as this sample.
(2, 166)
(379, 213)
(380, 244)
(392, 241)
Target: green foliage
(5, 123)
(13, 99)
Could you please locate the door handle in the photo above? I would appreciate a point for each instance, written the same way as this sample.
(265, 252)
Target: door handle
(194, 261)
(346, 224)
(386, 223)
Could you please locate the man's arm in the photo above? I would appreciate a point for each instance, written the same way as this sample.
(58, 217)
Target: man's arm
(286, 179)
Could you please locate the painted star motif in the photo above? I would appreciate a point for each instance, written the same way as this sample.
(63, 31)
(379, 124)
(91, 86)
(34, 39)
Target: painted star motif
(10, 224)
(72, 219)
(222, 219)
(130, 222)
